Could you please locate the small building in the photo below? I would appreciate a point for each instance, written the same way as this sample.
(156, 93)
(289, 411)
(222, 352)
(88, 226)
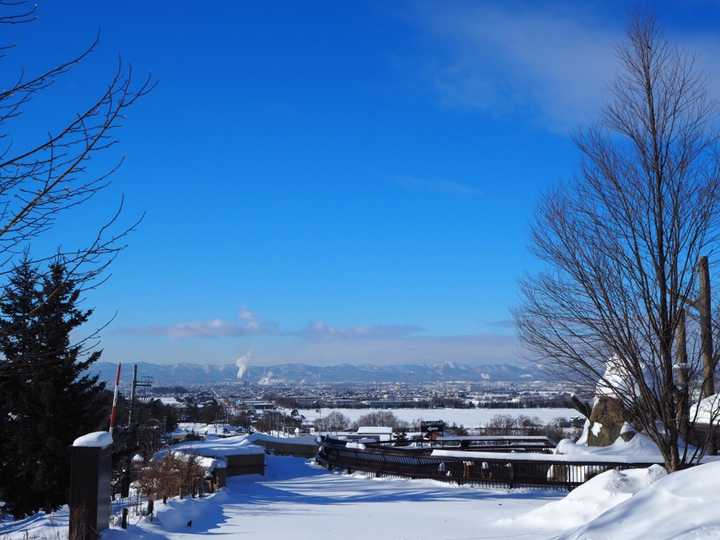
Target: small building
(233, 455)
(378, 433)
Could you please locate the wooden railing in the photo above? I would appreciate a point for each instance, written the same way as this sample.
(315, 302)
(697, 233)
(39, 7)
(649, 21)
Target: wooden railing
(483, 471)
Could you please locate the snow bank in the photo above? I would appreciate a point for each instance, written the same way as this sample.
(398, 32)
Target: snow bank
(174, 515)
(97, 439)
(40, 526)
(639, 449)
(591, 499)
(682, 505)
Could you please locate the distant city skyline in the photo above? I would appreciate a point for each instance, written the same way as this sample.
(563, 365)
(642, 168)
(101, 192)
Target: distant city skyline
(332, 183)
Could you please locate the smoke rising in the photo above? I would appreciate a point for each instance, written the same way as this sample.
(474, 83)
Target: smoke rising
(242, 365)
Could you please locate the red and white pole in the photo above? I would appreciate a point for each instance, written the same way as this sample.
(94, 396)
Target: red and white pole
(113, 413)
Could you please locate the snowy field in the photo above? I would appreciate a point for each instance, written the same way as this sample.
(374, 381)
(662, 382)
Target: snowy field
(465, 417)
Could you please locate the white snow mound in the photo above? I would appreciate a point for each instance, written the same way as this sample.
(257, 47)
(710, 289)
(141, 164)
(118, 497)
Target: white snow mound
(639, 449)
(591, 499)
(97, 439)
(680, 506)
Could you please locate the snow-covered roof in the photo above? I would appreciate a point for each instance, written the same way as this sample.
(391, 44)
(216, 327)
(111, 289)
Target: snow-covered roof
(375, 430)
(229, 446)
(208, 463)
(171, 401)
(97, 439)
(306, 440)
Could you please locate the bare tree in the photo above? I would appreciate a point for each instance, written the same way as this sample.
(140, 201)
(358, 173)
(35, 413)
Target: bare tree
(42, 180)
(622, 240)
(334, 421)
(377, 418)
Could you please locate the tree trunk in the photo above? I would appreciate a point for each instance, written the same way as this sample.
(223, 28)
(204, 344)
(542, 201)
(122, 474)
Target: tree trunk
(704, 308)
(683, 405)
(704, 303)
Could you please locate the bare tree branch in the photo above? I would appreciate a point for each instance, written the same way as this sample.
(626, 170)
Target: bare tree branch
(622, 240)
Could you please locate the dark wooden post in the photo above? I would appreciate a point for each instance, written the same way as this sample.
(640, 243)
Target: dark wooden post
(704, 307)
(90, 472)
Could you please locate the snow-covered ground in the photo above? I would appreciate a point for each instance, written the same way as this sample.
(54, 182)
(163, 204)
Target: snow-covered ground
(679, 506)
(590, 500)
(302, 501)
(464, 417)
(297, 500)
(39, 526)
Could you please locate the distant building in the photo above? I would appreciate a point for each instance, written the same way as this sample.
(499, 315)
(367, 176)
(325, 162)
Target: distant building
(379, 433)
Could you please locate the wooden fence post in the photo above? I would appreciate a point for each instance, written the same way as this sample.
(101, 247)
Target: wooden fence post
(90, 473)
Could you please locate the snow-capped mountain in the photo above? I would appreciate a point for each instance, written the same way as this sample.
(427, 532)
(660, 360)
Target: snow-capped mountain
(186, 373)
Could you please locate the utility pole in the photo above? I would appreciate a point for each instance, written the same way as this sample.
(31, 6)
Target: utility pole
(131, 431)
(132, 398)
(113, 413)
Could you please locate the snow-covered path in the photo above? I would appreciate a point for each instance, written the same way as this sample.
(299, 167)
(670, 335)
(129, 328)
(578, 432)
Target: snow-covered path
(299, 501)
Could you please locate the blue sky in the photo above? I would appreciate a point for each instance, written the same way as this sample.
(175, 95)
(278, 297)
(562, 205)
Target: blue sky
(331, 182)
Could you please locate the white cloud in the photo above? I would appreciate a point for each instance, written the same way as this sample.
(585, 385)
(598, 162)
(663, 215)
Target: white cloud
(323, 343)
(554, 63)
(500, 60)
(324, 331)
(472, 349)
(246, 325)
(249, 319)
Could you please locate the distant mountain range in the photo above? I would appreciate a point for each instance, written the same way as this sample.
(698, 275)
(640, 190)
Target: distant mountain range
(187, 374)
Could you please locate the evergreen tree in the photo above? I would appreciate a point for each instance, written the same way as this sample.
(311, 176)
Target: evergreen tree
(18, 344)
(55, 399)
